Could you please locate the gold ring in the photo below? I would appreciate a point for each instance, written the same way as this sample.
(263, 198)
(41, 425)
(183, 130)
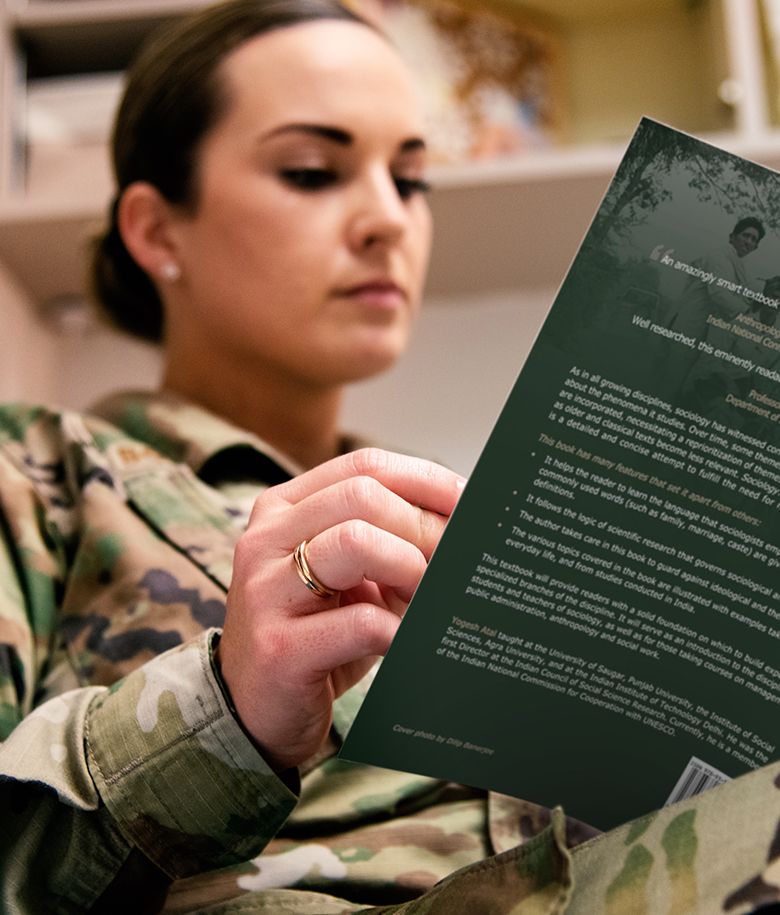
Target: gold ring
(307, 576)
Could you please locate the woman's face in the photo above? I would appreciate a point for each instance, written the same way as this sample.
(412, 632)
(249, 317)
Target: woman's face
(308, 244)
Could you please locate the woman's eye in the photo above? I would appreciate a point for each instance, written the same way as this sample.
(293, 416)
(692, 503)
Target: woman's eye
(309, 179)
(408, 187)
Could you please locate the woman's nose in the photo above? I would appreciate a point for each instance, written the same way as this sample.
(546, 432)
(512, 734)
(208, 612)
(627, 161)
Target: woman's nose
(380, 217)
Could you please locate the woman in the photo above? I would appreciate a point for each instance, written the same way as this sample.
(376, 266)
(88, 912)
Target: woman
(292, 265)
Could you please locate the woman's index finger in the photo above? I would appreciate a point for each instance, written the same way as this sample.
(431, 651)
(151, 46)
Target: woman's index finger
(419, 482)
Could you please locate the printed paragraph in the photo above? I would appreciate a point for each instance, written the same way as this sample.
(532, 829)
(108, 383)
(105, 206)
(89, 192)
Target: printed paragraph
(671, 436)
(532, 662)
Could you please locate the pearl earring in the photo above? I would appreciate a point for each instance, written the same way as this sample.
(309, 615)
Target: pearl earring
(170, 271)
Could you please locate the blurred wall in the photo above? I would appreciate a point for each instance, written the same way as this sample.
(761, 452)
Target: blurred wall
(30, 358)
(443, 397)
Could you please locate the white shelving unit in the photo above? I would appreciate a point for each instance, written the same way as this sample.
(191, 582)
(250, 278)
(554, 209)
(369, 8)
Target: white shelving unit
(503, 225)
(500, 225)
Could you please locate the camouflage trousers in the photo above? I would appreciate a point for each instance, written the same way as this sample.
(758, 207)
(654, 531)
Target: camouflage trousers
(717, 853)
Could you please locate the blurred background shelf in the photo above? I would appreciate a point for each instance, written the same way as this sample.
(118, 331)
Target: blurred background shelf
(499, 226)
(695, 64)
(496, 228)
(61, 37)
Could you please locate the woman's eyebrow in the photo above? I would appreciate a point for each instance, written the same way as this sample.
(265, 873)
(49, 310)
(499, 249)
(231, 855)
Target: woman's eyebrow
(337, 135)
(334, 134)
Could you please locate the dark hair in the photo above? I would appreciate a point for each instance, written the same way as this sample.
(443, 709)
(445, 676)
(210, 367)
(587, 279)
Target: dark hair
(750, 222)
(173, 97)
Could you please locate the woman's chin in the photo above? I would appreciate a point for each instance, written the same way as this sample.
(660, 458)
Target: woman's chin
(370, 367)
(371, 355)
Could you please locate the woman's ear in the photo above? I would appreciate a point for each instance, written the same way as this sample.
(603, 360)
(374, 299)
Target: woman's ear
(144, 218)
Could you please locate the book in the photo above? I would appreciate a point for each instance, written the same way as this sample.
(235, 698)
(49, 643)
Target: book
(599, 625)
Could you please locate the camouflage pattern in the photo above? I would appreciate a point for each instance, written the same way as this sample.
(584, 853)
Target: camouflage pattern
(116, 538)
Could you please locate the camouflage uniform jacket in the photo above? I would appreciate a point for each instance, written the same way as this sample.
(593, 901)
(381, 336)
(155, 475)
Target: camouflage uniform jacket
(115, 556)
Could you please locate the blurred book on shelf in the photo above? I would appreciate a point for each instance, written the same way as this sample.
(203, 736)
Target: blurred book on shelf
(68, 123)
(72, 109)
(488, 83)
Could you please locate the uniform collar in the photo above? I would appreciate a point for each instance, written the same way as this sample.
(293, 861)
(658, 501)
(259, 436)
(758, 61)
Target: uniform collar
(187, 433)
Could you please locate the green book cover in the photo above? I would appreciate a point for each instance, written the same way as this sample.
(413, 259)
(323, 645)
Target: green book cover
(599, 626)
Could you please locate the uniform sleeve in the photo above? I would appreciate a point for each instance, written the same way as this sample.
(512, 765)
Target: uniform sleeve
(156, 763)
(154, 767)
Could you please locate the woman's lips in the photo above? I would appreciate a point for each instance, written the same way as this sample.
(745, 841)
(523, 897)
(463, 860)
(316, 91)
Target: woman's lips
(377, 294)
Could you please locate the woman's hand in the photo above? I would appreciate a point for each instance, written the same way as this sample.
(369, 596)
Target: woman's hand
(371, 520)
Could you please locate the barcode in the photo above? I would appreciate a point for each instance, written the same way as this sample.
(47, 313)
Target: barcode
(697, 777)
